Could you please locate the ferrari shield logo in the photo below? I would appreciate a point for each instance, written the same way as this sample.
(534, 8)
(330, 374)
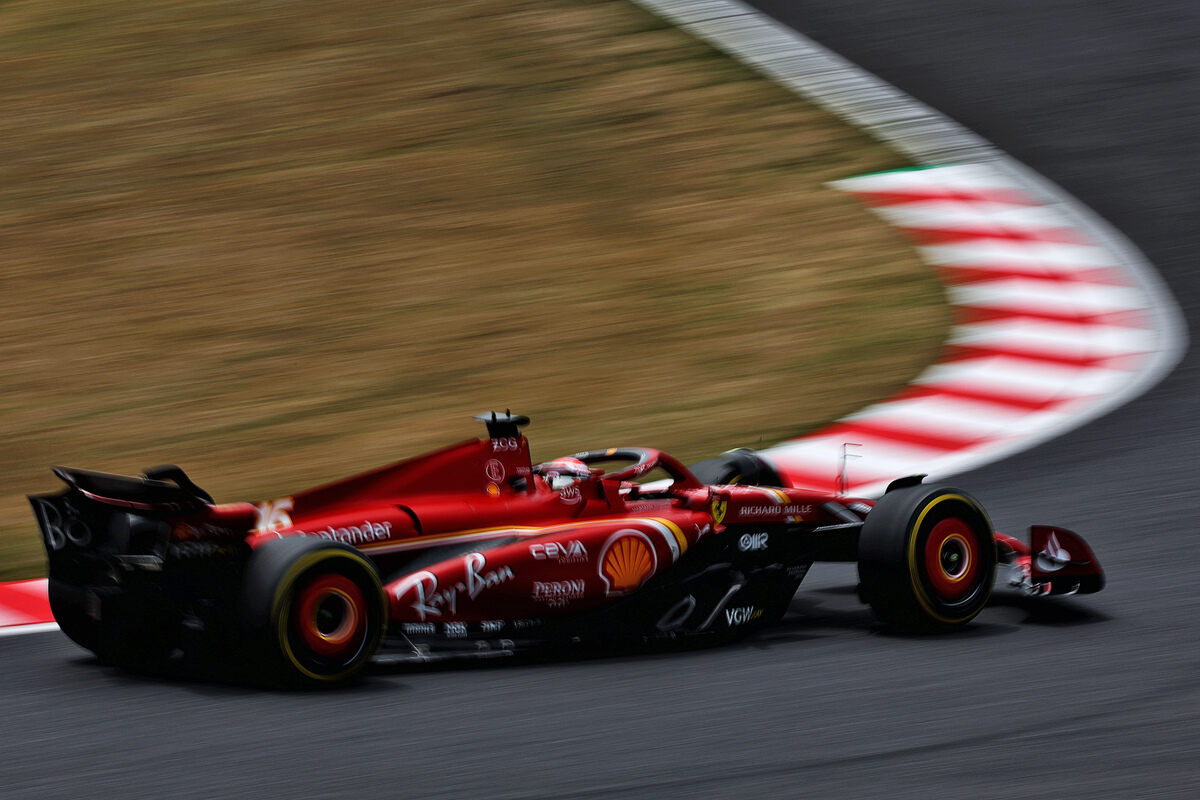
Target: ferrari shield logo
(718, 510)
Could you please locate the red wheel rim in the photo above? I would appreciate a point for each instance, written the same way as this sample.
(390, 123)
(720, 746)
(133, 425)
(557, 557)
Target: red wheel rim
(330, 614)
(951, 558)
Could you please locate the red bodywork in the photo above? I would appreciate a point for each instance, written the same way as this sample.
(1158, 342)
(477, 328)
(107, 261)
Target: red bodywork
(525, 550)
(475, 542)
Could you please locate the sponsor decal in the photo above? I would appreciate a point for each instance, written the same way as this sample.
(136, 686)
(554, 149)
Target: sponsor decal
(741, 615)
(627, 561)
(353, 534)
(419, 627)
(491, 625)
(1054, 557)
(274, 516)
(506, 444)
(57, 530)
(494, 470)
(430, 599)
(789, 510)
(455, 630)
(752, 542)
(572, 552)
(570, 494)
(557, 594)
(719, 507)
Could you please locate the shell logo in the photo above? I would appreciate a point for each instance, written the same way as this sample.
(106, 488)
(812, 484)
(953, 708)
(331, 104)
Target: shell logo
(627, 561)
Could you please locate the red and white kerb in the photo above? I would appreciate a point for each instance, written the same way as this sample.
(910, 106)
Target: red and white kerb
(1048, 326)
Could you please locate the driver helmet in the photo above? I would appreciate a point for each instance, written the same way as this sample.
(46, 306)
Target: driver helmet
(562, 472)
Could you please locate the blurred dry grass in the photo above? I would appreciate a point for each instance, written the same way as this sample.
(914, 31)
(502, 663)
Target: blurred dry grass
(281, 242)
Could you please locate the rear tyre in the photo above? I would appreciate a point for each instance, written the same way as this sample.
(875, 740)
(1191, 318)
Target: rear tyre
(926, 559)
(313, 612)
(743, 467)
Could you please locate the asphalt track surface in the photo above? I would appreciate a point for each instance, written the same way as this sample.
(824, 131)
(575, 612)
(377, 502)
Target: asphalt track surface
(1096, 696)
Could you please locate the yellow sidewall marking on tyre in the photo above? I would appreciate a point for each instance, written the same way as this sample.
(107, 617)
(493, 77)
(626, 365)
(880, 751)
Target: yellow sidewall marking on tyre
(281, 606)
(914, 572)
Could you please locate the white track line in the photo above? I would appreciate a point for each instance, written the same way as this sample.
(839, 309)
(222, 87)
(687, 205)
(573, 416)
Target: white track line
(38, 627)
(1079, 323)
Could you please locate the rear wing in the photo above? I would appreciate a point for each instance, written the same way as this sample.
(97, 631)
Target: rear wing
(165, 488)
(131, 519)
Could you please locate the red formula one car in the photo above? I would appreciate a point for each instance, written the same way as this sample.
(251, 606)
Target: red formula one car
(474, 549)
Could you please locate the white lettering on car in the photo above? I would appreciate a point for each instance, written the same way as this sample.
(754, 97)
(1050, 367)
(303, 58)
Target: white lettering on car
(58, 531)
(572, 552)
(557, 594)
(494, 470)
(430, 600)
(353, 534)
(424, 584)
(791, 510)
(752, 542)
(741, 615)
(273, 516)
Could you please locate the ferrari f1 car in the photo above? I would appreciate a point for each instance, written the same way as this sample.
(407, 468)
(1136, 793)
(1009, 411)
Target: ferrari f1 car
(474, 549)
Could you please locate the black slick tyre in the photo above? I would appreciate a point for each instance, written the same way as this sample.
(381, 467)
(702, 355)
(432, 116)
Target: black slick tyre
(926, 559)
(313, 613)
(742, 467)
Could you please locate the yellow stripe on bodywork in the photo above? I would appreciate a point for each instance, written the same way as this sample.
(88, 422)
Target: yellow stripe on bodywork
(417, 542)
(483, 534)
(679, 537)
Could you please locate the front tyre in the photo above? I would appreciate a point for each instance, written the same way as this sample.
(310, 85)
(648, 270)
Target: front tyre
(926, 558)
(313, 610)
